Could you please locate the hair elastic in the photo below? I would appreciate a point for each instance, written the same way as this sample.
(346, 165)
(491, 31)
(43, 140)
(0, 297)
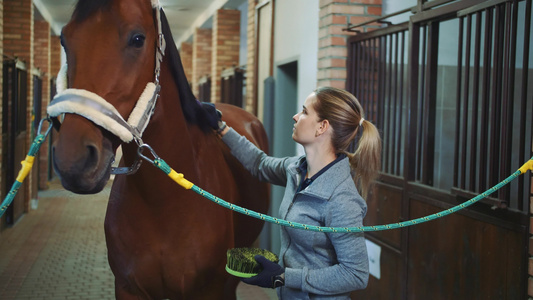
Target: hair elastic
(361, 121)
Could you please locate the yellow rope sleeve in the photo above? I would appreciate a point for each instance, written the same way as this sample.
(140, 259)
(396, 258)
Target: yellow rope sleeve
(527, 166)
(178, 177)
(26, 167)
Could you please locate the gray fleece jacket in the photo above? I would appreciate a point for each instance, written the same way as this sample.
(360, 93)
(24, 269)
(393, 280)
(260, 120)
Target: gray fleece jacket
(317, 265)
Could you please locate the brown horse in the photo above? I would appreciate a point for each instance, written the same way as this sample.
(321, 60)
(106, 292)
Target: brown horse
(163, 241)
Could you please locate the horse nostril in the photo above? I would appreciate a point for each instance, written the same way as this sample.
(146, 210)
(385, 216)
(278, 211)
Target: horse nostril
(92, 157)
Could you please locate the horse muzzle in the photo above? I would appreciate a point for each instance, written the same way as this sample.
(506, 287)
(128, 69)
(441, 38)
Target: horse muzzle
(102, 113)
(82, 156)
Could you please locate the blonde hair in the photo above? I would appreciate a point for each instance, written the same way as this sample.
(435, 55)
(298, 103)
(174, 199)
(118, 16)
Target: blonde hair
(344, 113)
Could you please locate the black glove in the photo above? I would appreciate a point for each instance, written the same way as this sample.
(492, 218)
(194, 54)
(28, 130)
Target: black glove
(270, 277)
(213, 116)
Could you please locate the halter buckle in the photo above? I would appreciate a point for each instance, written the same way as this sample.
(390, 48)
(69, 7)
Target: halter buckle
(127, 170)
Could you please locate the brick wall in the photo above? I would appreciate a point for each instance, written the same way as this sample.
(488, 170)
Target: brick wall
(250, 62)
(55, 56)
(186, 59)
(201, 53)
(226, 41)
(332, 50)
(18, 42)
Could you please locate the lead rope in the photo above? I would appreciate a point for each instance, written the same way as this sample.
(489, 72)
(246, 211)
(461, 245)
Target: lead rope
(27, 164)
(180, 179)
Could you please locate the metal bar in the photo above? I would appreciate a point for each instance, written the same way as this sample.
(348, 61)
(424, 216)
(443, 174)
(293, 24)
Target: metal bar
(430, 103)
(400, 108)
(358, 70)
(458, 103)
(444, 12)
(482, 6)
(368, 96)
(381, 90)
(379, 112)
(494, 150)
(507, 105)
(381, 32)
(523, 96)
(351, 27)
(362, 70)
(419, 107)
(394, 107)
(361, 66)
(350, 68)
(357, 60)
(435, 3)
(375, 76)
(410, 153)
(485, 98)
(420, 5)
(512, 75)
(368, 72)
(389, 101)
(465, 102)
(475, 105)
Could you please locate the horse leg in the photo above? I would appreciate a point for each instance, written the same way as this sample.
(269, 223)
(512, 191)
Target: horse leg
(122, 293)
(230, 288)
(219, 290)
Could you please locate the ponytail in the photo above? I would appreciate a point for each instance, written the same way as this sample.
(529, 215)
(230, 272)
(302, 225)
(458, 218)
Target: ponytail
(366, 161)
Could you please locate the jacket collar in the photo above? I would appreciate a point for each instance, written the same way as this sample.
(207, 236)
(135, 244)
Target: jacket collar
(324, 185)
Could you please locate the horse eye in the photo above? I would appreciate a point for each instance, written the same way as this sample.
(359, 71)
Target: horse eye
(137, 41)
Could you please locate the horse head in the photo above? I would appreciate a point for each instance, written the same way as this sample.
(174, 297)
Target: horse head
(110, 48)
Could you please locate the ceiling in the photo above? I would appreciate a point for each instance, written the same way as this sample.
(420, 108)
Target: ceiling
(183, 15)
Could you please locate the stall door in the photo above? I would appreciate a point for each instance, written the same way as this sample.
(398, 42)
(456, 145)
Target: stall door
(14, 116)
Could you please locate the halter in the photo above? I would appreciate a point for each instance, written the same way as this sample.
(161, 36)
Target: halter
(95, 108)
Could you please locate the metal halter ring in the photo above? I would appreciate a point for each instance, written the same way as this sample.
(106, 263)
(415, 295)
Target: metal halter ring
(140, 151)
(39, 129)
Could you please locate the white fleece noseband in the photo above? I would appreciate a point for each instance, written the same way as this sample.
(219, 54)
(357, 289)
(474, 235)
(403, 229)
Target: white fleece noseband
(102, 113)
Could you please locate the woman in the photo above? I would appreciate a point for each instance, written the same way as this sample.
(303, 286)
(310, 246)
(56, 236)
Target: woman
(320, 190)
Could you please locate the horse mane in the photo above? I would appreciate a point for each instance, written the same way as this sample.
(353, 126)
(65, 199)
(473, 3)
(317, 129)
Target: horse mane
(85, 8)
(192, 109)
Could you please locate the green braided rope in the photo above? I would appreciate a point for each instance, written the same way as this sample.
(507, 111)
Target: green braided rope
(39, 139)
(164, 166)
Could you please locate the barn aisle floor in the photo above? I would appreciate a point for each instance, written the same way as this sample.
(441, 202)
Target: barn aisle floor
(58, 251)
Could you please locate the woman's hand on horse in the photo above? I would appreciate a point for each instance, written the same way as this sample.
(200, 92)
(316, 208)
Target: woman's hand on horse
(214, 117)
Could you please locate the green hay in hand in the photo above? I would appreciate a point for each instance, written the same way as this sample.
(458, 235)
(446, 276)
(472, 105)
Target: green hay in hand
(241, 261)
